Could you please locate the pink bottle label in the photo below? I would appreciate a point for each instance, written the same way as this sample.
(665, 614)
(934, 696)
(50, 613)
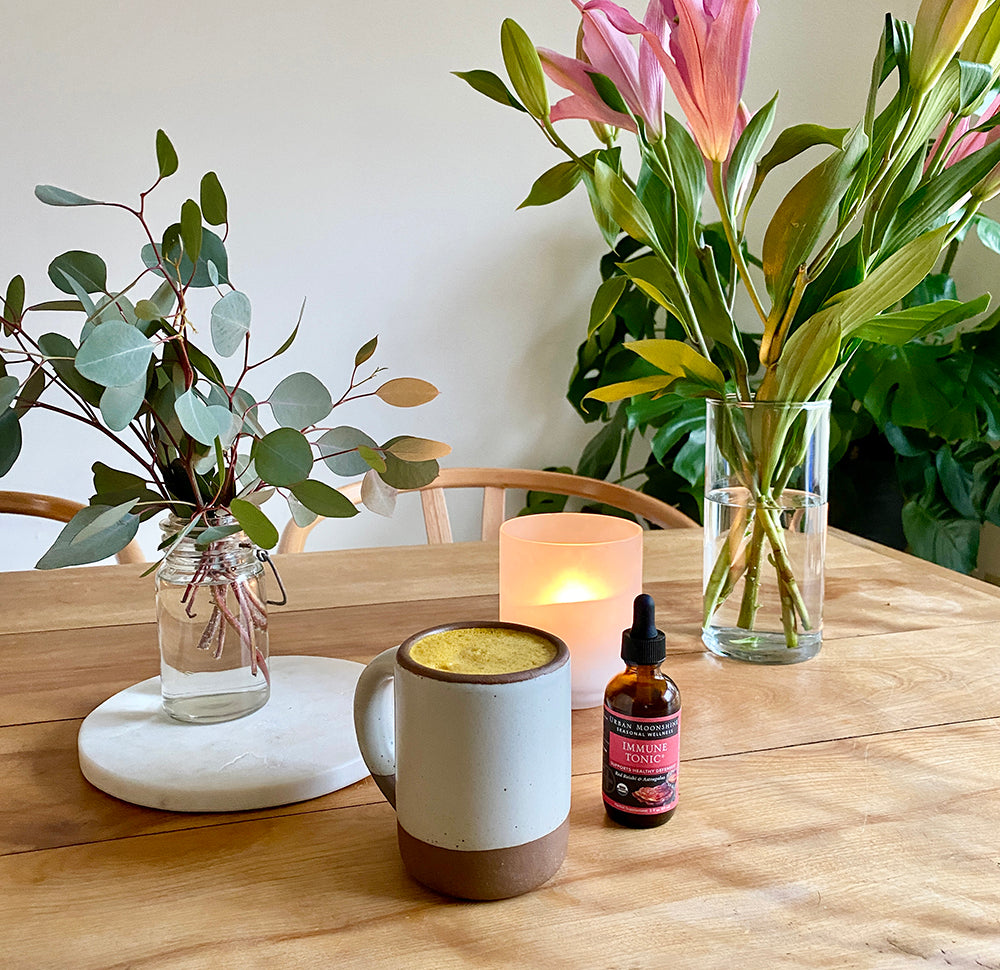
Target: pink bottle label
(641, 761)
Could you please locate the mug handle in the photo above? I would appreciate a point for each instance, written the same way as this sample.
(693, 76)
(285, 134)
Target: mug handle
(374, 721)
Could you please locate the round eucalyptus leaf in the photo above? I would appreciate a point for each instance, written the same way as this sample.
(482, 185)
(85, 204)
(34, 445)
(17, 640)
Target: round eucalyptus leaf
(406, 474)
(205, 422)
(9, 386)
(216, 532)
(88, 269)
(300, 401)
(61, 352)
(283, 457)
(191, 231)
(213, 200)
(94, 533)
(119, 405)
(410, 448)
(301, 516)
(212, 249)
(147, 310)
(166, 157)
(255, 523)
(213, 272)
(372, 458)
(324, 500)
(339, 449)
(10, 440)
(230, 322)
(377, 496)
(114, 355)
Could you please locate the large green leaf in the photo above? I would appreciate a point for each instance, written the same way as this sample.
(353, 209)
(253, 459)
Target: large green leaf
(283, 457)
(114, 355)
(320, 498)
(230, 322)
(94, 533)
(951, 542)
(338, 446)
(300, 401)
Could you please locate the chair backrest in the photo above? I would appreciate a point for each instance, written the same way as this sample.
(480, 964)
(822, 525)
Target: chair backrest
(494, 482)
(59, 509)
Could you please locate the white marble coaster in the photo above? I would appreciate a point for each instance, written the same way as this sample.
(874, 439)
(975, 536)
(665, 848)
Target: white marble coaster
(299, 745)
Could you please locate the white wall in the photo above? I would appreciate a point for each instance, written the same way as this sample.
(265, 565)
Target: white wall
(360, 175)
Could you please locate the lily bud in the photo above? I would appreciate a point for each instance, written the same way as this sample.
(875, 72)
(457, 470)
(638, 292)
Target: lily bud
(940, 29)
(983, 43)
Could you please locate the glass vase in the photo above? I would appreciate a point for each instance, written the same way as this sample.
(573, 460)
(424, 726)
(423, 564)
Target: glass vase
(765, 529)
(211, 617)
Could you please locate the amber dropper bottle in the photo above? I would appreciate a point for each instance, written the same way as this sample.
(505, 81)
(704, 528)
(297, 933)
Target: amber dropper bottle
(642, 719)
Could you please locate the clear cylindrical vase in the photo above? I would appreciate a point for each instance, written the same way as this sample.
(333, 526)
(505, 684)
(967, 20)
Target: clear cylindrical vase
(766, 468)
(211, 617)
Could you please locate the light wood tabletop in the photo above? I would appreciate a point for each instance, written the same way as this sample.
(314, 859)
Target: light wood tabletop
(843, 812)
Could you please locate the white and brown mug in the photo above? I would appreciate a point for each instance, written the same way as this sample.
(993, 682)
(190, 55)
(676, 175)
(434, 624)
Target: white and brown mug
(477, 765)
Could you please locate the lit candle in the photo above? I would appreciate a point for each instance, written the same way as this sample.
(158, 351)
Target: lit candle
(574, 575)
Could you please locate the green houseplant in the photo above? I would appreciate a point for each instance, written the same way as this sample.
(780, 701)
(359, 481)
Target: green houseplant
(853, 238)
(200, 445)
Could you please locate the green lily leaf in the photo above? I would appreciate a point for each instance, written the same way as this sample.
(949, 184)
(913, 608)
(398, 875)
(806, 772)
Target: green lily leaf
(554, 184)
(339, 449)
(524, 68)
(320, 498)
(51, 195)
(258, 527)
(114, 355)
(230, 322)
(679, 360)
(690, 180)
(807, 358)
(749, 144)
(626, 389)
(605, 300)
(213, 200)
(914, 322)
(166, 157)
(94, 533)
(486, 82)
(205, 422)
(88, 269)
(119, 405)
(283, 457)
(623, 205)
(10, 440)
(300, 401)
(802, 215)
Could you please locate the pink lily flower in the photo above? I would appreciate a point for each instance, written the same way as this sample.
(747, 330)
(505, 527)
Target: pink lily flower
(961, 145)
(707, 61)
(608, 51)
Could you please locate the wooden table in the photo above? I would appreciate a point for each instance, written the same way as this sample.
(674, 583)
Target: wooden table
(844, 812)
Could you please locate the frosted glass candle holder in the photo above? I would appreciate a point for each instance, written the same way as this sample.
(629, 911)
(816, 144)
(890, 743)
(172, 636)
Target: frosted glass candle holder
(574, 575)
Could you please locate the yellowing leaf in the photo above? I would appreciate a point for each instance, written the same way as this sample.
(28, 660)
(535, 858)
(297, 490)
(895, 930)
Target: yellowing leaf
(641, 385)
(678, 359)
(407, 392)
(418, 449)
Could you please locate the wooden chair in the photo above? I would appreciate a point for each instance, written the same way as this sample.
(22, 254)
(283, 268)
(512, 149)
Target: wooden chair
(59, 509)
(494, 482)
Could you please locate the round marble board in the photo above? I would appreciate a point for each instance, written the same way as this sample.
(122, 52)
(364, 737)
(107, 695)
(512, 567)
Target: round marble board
(299, 745)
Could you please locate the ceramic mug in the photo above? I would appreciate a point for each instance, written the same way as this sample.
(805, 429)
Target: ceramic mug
(477, 766)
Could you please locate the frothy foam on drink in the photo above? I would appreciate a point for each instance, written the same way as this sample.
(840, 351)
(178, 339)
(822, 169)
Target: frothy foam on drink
(482, 650)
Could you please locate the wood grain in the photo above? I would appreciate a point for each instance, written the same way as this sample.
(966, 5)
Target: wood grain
(862, 853)
(837, 813)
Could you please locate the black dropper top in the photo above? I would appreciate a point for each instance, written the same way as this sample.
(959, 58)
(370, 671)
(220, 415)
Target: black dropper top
(643, 644)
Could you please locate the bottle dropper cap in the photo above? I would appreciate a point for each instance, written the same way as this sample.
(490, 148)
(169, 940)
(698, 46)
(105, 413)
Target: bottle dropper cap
(643, 644)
